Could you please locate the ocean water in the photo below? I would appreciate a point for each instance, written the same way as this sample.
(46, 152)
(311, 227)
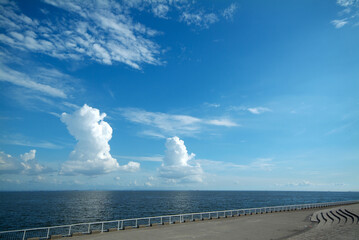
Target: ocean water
(19, 210)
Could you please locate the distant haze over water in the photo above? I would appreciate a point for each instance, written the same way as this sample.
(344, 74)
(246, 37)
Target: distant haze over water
(20, 210)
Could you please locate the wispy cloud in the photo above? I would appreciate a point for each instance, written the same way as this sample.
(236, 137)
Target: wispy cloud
(199, 19)
(262, 164)
(229, 12)
(350, 13)
(339, 23)
(258, 110)
(20, 140)
(91, 155)
(214, 105)
(253, 110)
(23, 80)
(171, 124)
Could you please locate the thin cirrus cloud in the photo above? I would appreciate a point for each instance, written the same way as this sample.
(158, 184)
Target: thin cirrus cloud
(101, 31)
(21, 140)
(229, 12)
(91, 155)
(350, 13)
(259, 164)
(253, 110)
(164, 124)
(48, 81)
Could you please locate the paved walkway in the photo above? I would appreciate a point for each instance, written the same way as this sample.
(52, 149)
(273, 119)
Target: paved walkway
(284, 225)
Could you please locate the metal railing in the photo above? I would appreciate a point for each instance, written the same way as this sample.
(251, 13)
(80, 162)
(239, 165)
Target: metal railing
(117, 225)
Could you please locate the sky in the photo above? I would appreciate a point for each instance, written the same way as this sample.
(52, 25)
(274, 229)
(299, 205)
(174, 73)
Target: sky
(179, 95)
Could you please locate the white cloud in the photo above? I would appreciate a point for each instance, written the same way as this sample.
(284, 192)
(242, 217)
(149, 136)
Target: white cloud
(171, 124)
(130, 167)
(222, 122)
(339, 23)
(199, 19)
(27, 165)
(160, 10)
(345, 3)
(91, 155)
(253, 110)
(229, 12)
(28, 156)
(20, 79)
(97, 30)
(258, 110)
(350, 13)
(176, 166)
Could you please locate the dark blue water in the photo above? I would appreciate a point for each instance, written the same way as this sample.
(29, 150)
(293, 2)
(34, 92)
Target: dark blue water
(20, 210)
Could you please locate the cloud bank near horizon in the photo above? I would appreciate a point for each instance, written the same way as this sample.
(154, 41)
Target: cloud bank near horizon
(27, 164)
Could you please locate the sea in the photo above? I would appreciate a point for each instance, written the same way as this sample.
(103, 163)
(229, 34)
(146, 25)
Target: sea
(20, 210)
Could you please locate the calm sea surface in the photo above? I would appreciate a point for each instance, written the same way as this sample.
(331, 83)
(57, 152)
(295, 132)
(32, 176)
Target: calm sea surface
(20, 210)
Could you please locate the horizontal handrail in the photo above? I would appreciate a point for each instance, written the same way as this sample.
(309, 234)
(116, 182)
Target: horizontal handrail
(180, 216)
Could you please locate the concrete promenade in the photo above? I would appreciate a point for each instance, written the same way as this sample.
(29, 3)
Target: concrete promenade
(329, 223)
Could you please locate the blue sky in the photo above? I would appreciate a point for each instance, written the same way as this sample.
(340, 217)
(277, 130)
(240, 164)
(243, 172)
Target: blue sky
(202, 95)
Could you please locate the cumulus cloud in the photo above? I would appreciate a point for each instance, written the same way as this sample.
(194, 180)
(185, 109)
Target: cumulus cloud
(28, 156)
(176, 166)
(27, 164)
(171, 124)
(130, 167)
(91, 155)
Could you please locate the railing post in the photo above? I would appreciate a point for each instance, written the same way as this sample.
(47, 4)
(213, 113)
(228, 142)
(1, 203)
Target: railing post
(136, 223)
(89, 229)
(170, 220)
(70, 230)
(23, 237)
(149, 222)
(161, 220)
(217, 215)
(122, 225)
(192, 218)
(102, 227)
(48, 233)
(118, 225)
